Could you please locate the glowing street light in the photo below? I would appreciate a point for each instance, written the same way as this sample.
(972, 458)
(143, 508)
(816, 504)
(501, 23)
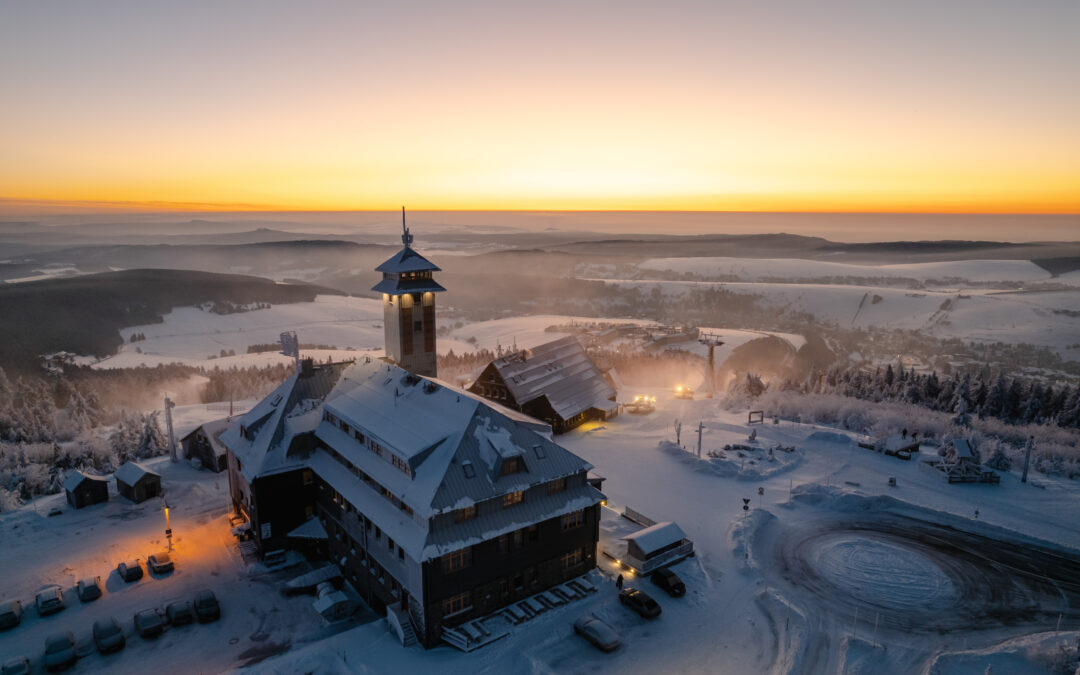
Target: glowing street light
(168, 526)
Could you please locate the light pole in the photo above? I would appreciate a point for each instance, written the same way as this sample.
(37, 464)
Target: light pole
(168, 526)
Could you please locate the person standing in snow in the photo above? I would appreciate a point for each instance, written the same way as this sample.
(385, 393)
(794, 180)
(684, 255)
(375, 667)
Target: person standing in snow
(618, 583)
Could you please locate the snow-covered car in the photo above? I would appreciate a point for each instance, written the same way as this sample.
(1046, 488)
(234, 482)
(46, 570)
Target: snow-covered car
(108, 635)
(180, 613)
(206, 606)
(129, 570)
(49, 601)
(60, 651)
(149, 623)
(597, 632)
(10, 614)
(669, 581)
(89, 589)
(159, 563)
(19, 665)
(640, 602)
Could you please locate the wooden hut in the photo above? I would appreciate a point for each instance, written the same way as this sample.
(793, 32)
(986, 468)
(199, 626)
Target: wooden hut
(204, 444)
(85, 490)
(136, 482)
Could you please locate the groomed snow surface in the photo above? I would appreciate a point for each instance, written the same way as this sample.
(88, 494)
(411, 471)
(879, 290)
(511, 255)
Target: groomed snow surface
(872, 554)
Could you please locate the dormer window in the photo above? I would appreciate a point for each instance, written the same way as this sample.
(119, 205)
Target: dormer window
(511, 465)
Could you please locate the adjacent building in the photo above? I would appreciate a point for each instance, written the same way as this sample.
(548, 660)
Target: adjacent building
(556, 382)
(84, 490)
(137, 483)
(204, 444)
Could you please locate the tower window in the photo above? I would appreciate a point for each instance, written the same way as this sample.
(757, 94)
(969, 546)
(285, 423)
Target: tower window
(418, 326)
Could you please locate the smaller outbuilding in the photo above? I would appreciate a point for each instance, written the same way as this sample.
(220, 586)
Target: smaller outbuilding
(657, 546)
(136, 482)
(204, 444)
(85, 490)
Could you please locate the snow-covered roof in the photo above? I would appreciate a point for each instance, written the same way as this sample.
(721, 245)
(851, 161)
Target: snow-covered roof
(407, 260)
(213, 431)
(657, 537)
(291, 409)
(309, 529)
(400, 286)
(132, 472)
(436, 429)
(75, 478)
(559, 370)
(963, 448)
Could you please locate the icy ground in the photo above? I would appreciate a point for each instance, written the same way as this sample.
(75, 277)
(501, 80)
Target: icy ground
(796, 585)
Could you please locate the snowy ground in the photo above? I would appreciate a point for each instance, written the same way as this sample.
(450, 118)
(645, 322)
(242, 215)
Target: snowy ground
(741, 614)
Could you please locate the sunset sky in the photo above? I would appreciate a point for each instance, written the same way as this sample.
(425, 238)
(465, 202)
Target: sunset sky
(848, 105)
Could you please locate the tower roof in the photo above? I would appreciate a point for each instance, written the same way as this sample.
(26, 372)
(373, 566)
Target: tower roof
(407, 260)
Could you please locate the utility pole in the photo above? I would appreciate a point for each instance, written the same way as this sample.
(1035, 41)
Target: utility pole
(1027, 457)
(169, 405)
(678, 433)
(712, 342)
(700, 427)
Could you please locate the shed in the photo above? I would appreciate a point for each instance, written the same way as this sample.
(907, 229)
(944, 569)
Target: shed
(85, 490)
(204, 444)
(136, 482)
(961, 451)
(656, 546)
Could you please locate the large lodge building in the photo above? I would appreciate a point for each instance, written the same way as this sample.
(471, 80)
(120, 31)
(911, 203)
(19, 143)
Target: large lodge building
(436, 504)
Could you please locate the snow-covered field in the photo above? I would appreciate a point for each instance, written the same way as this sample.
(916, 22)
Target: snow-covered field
(765, 269)
(1011, 317)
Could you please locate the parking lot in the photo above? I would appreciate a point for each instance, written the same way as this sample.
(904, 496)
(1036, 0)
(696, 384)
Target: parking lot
(38, 551)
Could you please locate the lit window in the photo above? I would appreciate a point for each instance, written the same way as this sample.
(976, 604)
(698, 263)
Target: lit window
(572, 558)
(452, 562)
(572, 520)
(307, 476)
(467, 513)
(556, 486)
(511, 498)
(511, 465)
(455, 604)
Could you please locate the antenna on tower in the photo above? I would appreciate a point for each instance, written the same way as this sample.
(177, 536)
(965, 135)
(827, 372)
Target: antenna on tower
(406, 236)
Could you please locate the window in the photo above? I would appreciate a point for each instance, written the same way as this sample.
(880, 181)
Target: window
(468, 469)
(418, 326)
(406, 508)
(539, 451)
(467, 513)
(452, 562)
(309, 511)
(358, 436)
(400, 464)
(376, 448)
(400, 553)
(455, 604)
(511, 465)
(344, 426)
(572, 520)
(390, 544)
(512, 498)
(571, 559)
(307, 476)
(556, 486)
(378, 533)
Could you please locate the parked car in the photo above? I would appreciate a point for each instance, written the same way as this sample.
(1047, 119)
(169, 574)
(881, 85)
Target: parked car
(10, 614)
(597, 632)
(180, 613)
(159, 563)
(206, 606)
(50, 601)
(130, 570)
(640, 602)
(56, 511)
(669, 581)
(16, 666)
(108, 635)
(89, 589)
(60, 651)
(149, 623)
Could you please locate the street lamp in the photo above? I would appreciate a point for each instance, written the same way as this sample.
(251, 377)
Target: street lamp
(168, 527)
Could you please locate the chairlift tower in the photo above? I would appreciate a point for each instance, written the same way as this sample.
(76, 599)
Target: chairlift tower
(169, 405)
(712, 342)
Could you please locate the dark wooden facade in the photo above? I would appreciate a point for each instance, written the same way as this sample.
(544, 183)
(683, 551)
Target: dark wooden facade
(90, 490)
(197, 444)
(492, 386)
(146, 487)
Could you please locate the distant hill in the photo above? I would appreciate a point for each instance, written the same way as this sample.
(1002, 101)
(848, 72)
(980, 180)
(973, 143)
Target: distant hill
(85, 314)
